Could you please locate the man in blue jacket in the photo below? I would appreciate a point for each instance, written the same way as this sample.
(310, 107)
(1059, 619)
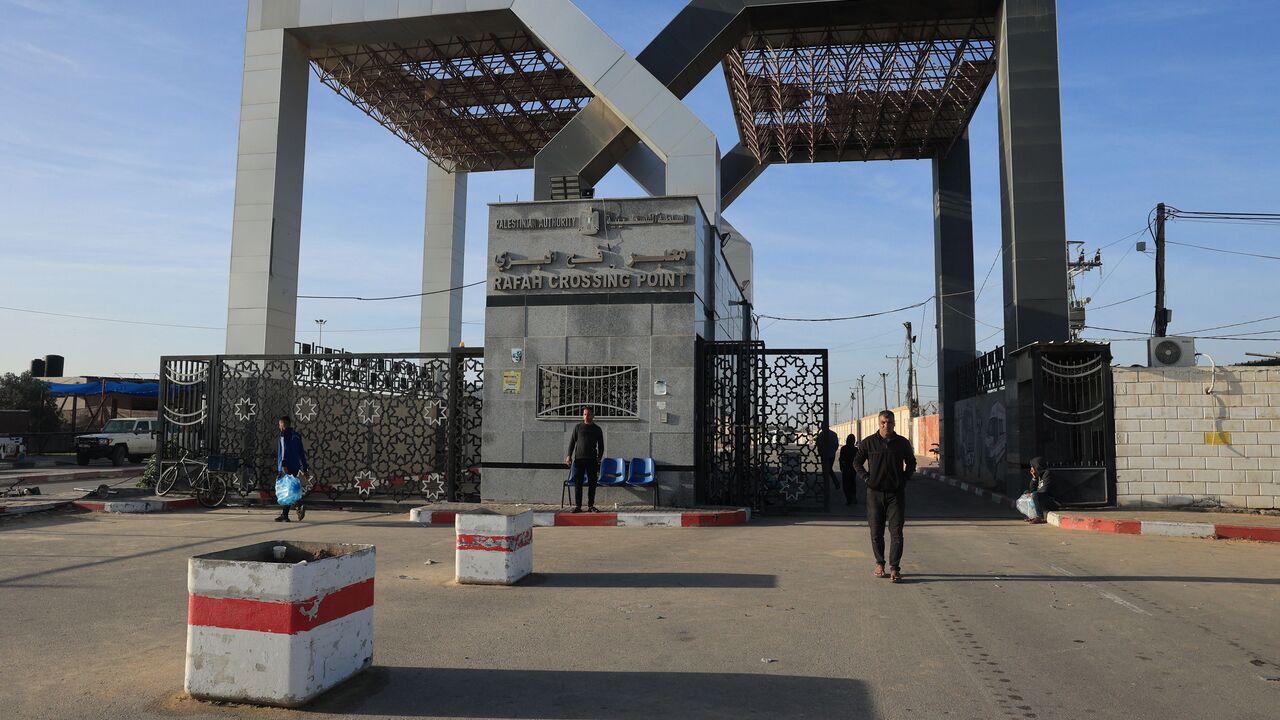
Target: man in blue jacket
(291, 458)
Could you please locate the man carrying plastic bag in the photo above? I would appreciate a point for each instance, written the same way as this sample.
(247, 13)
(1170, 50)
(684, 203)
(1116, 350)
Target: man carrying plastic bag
(291, 459)
(1036, 500)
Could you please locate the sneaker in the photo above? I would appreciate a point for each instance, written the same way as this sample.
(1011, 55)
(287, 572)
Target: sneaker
(592, 509)
(282, 518)
(302, 512)
(576, 510)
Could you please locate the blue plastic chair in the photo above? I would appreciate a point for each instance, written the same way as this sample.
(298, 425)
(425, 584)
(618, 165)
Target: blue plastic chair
(568, 483)
(613, 472)
(641, 474)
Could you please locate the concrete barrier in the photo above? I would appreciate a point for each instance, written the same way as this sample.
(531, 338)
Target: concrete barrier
(495, 546)
(278, 632)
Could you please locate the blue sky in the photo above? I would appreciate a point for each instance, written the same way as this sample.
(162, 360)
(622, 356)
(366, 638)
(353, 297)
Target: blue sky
(117, 154)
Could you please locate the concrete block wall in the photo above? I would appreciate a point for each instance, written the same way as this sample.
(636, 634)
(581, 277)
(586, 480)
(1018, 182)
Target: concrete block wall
(1171, 437)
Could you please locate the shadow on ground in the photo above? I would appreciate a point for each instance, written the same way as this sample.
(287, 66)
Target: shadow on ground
(478, 693)
(962, 578)
(655, 580)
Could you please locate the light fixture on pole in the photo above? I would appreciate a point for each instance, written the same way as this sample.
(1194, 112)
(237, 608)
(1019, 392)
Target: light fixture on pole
(320, 332)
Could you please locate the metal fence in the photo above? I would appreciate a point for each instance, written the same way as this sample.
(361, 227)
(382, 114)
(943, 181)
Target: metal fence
(760, 414)
(392, 426)
(983, 375)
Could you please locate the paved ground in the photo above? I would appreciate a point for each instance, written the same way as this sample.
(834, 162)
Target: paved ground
(998, 620)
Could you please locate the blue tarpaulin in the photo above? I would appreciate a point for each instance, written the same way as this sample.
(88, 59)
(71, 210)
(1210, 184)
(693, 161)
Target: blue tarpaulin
(117, 387)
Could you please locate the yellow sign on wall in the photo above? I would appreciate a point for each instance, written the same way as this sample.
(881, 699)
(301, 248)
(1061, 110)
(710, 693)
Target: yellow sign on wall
(1217, 438)
(511, 382)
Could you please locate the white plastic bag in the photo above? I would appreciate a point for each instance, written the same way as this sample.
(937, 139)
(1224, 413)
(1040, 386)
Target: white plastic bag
(288, 490)
(1027, 506)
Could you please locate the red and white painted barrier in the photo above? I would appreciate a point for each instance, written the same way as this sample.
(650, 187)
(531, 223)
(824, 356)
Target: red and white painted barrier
(495, 546)
(278, 632)
(674, 519)
(1166, 528)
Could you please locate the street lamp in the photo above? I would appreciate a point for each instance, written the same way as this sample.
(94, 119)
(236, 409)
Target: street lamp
(320, 336)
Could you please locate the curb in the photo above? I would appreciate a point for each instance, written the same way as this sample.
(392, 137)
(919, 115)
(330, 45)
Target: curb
(74, 475)
(697, 518)
(136, 506)
(997, 498)
(1125, 527)
(34, 507)
(1165, 528)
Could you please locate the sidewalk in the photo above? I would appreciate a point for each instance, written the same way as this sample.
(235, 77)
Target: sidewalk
(1130, 521)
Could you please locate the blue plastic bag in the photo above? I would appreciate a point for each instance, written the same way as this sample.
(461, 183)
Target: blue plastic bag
(1027, 506)
(288, 490)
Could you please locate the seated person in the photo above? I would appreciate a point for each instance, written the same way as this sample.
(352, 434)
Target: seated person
(1039, 488)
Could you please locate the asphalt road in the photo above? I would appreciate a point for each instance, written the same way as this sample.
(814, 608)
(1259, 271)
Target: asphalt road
(779, 619)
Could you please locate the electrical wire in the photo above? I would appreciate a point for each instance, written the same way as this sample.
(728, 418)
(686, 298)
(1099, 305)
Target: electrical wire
(111, 320)
(1223, 327)
(1220, 250)
(389, 297)
(1121, 302)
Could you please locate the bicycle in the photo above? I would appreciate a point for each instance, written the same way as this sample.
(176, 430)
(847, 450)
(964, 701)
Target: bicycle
(210, 488)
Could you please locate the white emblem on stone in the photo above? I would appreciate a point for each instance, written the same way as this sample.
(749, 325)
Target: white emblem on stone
(433, 486)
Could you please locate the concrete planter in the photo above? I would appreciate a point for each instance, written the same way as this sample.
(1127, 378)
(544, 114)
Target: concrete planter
(495, 546)
(278, 632)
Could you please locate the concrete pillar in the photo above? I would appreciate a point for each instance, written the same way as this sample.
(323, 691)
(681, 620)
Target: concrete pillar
(263, 295)
(1031, 187)
(953, 268)
(443, 247)
(1033, 208)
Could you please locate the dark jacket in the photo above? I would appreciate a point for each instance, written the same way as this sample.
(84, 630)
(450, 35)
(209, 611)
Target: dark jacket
(587, 442)
(885, 464)
(847, 453)
(290, 455)
(828, 443)
(1040, 483)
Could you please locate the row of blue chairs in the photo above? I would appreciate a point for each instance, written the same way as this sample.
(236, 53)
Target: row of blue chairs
(615, 472)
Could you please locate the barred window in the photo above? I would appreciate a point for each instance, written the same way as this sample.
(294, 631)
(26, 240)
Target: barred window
(611, 391)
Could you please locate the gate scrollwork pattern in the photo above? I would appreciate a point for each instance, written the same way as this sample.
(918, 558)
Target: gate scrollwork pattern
(374, 426)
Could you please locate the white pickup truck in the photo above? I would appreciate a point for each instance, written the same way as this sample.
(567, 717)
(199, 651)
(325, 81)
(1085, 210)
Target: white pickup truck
(12, 448)
(120, 439)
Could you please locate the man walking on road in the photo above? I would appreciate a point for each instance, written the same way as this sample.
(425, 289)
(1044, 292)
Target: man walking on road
(885, 461)
(586, 447)
(291, 459)
(828, 444)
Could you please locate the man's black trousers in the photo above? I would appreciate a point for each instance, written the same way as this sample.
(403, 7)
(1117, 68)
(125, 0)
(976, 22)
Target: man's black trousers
(886, 508)
(849, 478)
(590, 470)
(828, 474)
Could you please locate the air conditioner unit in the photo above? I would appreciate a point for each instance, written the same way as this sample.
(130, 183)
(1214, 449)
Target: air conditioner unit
(1171, 352)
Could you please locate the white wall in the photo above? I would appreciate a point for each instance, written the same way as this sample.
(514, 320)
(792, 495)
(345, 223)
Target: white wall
(1163, 457)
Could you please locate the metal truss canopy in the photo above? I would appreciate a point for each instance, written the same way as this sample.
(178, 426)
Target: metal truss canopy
(869, 92)
(469, 104)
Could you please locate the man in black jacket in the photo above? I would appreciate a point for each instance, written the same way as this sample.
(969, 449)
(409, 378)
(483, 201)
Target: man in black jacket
(586, 447)
(892, 462)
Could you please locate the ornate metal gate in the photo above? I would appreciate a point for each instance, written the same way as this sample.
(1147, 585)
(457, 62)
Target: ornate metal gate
(374, 425)
(760, 413)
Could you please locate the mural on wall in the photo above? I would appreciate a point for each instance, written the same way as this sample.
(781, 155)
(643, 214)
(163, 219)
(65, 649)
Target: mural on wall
(981, 439)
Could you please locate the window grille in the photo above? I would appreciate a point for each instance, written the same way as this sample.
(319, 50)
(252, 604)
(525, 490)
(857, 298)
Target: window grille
(611, 391)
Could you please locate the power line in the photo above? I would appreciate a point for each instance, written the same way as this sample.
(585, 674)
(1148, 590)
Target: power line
(1223, 327)
(389, 297)
(1121, 302)
(1220, 250)
(111, 320)
(850, 317)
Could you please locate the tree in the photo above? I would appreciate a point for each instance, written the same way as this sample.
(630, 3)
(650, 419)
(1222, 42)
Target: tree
(23, 392)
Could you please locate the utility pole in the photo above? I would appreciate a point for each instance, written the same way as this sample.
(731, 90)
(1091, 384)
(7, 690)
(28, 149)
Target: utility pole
(853, 405)
(1162, 313)
(912, 396)
(897, 373)
(862, 396)
(320, 332)
(884, 385)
